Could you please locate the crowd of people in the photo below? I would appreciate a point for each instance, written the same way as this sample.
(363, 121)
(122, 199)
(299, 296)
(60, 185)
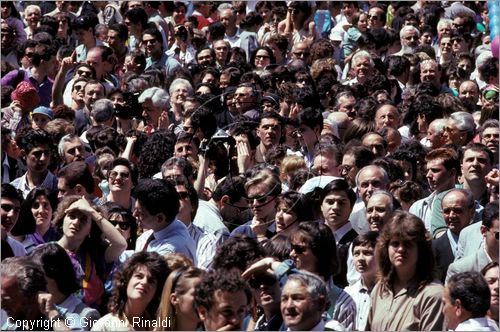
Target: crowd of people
(249, 165)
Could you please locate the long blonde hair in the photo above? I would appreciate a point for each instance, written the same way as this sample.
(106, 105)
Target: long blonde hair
(174, 284)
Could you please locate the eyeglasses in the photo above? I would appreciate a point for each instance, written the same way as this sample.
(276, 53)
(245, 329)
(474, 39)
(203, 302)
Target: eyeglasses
(150, 41)
(29, 55)
(374, 17)
(266, 280)
(124, 225)
(123, 175)
(298, 248)
(183, 194)
(301, 53)
(8, 207)
(84, 73)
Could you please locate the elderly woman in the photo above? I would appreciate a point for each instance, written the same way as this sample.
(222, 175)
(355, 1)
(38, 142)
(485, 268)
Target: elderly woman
(460, 129)
(136, 293)
(83, 229)
(179, 90)
(407, 296)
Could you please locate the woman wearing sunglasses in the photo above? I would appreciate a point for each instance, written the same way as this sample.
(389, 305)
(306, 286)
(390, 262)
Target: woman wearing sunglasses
(407, 296)
(122, 177)
(313, 250)
(136, 293)
(83, 229)
(177, 300)
(123, 221)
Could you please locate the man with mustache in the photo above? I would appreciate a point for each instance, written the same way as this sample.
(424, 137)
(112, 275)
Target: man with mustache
(269, 131)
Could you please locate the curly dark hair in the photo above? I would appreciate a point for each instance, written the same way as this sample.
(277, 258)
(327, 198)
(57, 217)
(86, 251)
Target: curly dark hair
(159, 271)
(156, 150)
(33, 139)
(406, 227)
(231, 282)
(237, 252)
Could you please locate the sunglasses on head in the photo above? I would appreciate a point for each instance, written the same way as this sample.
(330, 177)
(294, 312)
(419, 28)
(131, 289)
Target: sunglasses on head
(124, 225)
(265, 279)
(298, 248)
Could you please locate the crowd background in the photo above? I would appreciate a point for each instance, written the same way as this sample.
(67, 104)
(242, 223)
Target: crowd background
(252, 165)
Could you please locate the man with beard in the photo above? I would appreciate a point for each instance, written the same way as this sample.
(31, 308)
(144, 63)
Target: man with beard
(36, 146)
(409, 36)
(152, 41)
(269, 131)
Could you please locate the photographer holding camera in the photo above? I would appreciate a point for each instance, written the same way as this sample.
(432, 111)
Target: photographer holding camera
(182, 50)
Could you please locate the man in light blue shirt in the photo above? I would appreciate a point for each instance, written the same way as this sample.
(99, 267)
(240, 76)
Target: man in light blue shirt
(152, 40)
(156, 207)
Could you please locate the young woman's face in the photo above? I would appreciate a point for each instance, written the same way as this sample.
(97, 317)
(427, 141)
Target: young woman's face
(284, 217)
(41, 210)
(142, 286)
(262, 59)
(76, 225)
(302, 255)
(403, 254)
(121, 225)
(184, 303)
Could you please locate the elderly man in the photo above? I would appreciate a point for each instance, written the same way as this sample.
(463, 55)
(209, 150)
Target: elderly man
(488, 252)
(155, 103)
(247, 100)
(435, 131)
(363, 65)
(468, 92)
(466, 300)
(409, 36)
(489, 134)
(368, 180)
(458, 212)
(303, 300)
(227, 17)
(22, 284)
(430, 72)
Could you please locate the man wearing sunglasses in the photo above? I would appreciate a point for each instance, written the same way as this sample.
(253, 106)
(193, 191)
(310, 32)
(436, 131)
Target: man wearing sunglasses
(376, 17)
(152, 42)
(489, 250)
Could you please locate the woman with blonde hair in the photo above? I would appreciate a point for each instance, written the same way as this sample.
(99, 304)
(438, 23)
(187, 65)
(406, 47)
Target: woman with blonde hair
(407, 295)
(177, 300)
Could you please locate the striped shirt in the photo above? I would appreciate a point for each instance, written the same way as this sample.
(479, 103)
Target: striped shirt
(361, 296)
(206, 245)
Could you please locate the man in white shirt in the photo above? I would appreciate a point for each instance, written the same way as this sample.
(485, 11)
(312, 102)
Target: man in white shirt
(466, 300)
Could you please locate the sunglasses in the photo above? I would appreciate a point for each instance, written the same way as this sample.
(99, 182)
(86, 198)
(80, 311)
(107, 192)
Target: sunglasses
(266, 280)
(298, 248)
(7, 208)
(78, 87)
(84, 73)
(259, 199)
(123, 175)
(496, 233)
(29, 55)
(124, 225)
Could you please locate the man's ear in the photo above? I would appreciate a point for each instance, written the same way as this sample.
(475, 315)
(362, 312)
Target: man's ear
(160, 217)
(458, 308)
(202, 313)
(79, 190)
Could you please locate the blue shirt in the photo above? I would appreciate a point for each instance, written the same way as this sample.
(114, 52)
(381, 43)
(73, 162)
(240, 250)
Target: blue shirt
(169, 63)
(173, 238)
